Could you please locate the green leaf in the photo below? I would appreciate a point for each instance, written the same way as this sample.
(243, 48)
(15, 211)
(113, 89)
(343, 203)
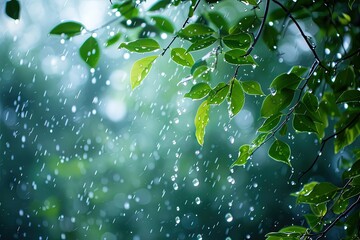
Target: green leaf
(202, 43)
(298, 70)
(270, 37)
(280, 151)
(321, 193)
(349, 96)
(201, 120)
(236, 97)
(218, 20)
(340, 205)
(163, 24)
(252, 2)
(274, 103)
(140, 70)
(355, 181)
(270, 123)
(303, 123)
(197, 64)
(350, 3)
(354, 171)
(285, 80)
(127, 9)
(328, 105)
(244, 154)
(282, 236)
(218, 94)
(314, 222)
(241, 40)
(310, 101)
(319, 210)
(350, 134)
(344, 79)
(90, 52)
(283, 130)
(245, 24)
(260, 139)
(12, 9)
(239, 57)
(351, 192)
(141, 45)
(182, 57)
(252, 88)
(202, 72)
(306, 189)
(112, 40)
(196, 31)
(198, 91)
(68, 28)
(162, 4)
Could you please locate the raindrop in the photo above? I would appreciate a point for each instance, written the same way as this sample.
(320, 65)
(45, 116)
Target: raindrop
(175, 186)
(177, 219)
(197, 200)
(199, 237)
(229, 217)
(196, 182)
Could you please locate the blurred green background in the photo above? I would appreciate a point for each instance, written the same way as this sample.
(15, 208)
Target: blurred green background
(84, 157)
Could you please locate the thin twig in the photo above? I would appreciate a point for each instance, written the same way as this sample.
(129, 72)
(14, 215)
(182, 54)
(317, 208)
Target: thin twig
(323, 233)
(176, 36)
(302, 174)
(257, 36)
(312, 48)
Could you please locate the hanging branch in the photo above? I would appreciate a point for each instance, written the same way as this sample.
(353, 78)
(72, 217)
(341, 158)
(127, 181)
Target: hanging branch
(323, 145)
(176, 36)
(257, 36)
(312, 48)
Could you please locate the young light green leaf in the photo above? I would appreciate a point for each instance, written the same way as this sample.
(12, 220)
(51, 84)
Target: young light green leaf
(260, 139)
(240, 40)
(298, 70)
(280, 151)
(244, 154)
(195, 30)
(112, 40)
(163, 24)
(270, 123)
(69, 29)
(239, 57)
(182, 57)
(201, 43)
(349, 96)
(198, 91)
(218, 94)
(236, 97)
(276, 102)
(307, 188)
(340, 205)
(285, 80)
(90, 52)
(315, 223)
(12, 9)
(321, 193)
(252, 88)
(140, 70)
(201, 120)
(142, 45)
(319, 210)
(303, 123)
(202, 72)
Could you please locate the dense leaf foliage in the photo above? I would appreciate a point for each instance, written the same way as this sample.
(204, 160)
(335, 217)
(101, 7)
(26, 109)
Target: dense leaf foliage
(321, 97)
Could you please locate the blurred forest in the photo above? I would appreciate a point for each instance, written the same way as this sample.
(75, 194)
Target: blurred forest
(84, 157)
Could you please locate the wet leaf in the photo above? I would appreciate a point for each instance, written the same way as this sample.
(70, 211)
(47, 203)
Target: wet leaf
(314, 222)
(240, 40)
(112, 40)
(239, 57)
(160, 5)
(90, 52)
(163, 24)
(140, 70)
(303, 123)
(244, 154)
(127, 9)
(195, 30)
(350, 134)
(218, 20)
(198, 91)
(351, 192)
(319, 210)
(354, 171)
(12, 9)
(340, 205)
(260, 139)
(280, 151)
(236, 97)
(218, 94)
(182, 57)
(201, 121)
(298, 70)
(252, 88)
(68, 28)
(307, 188)
(202, 43)
(273, 104)
(252, 2)
(321, 193)
(141, 45)
(285, 80)
(349, 96)
(311, 102)
(270, 37)
(270, 123)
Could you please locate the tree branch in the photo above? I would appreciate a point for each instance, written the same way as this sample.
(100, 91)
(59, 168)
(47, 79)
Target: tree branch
(312, 48)
(176, 36)
(257, 36)
(323, 233)
(302, 174)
